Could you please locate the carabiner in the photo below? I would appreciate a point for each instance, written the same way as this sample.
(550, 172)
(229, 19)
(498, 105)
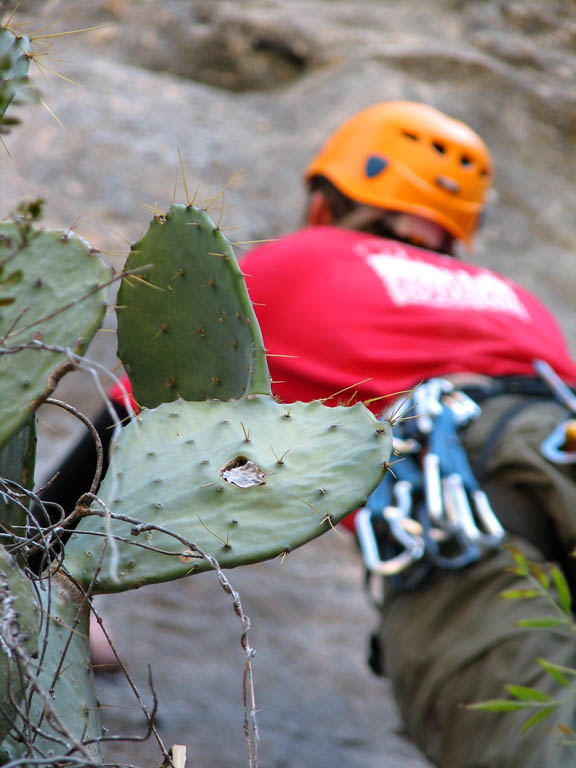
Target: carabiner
(459, 527)
(494, 532)
(432, 487)
(368, 544)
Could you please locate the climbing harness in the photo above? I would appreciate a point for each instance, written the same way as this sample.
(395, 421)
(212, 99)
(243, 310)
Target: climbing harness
(429, 510)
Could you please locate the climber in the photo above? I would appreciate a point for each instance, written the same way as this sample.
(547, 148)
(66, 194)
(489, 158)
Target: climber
(373, 296)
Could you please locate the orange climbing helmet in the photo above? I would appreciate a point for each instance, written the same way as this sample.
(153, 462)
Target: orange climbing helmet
(409, 157)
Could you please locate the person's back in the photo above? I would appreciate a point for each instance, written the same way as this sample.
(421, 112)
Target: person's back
(348, 308)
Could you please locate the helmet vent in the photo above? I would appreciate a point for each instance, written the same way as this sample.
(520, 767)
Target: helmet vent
(410, 136)
(466, 161)
(448, 184)
(439, 147)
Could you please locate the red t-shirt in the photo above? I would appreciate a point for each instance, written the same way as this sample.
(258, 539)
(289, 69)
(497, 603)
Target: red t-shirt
(347, 306)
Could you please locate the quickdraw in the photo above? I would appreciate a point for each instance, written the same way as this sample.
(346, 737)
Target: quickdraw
(430, 511)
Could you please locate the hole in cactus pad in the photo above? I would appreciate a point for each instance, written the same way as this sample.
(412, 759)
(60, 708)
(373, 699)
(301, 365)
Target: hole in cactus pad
(243, 473)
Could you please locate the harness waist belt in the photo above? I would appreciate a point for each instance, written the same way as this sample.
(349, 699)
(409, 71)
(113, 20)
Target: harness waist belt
(509, 385)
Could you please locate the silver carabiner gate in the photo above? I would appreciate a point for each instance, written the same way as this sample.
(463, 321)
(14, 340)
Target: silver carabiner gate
(413, 544)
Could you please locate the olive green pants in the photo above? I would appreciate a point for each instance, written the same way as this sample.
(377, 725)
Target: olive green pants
(453, 641)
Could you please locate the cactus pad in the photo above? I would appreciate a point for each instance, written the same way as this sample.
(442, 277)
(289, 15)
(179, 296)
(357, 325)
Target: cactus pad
(65, 682)
(14, 61)
(49, 293)
(245, 480)
(19, 622)
(17, 461)
(186, 327)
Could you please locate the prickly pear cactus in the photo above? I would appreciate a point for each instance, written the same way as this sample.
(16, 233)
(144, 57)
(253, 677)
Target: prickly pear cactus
(63, 704)
(49, 294)
(14, 61)
(19, 624)
(186, 327)
(245, 480)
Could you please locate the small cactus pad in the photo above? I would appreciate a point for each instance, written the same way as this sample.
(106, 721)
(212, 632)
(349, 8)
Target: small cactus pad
(65, 699)
(14, 61)
(244, 480)
(66, 676)
(186, 327)
(50, 294)
(17, 461)
(19, 622)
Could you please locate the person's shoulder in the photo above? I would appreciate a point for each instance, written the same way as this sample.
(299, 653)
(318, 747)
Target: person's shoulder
(305, 245)
(317, 237)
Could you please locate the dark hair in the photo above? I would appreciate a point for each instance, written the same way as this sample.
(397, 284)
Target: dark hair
(340, 204)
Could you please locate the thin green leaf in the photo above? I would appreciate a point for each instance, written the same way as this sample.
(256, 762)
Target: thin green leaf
(539, 574)
(521, 562)
(554, 672)
(557, 671)
(500, 705)
(527, 694)
(520, 594)
(543, 623)
(543, 714)
(564, 597)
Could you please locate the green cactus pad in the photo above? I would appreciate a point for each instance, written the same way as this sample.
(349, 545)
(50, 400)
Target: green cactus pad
(48, 293)
(186, 327)
(65, 680)
(20, 617)
(17, 461)
(305, 466)
(14, 61)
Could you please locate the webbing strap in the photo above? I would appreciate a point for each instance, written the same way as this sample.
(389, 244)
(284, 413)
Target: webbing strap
(498, 430)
